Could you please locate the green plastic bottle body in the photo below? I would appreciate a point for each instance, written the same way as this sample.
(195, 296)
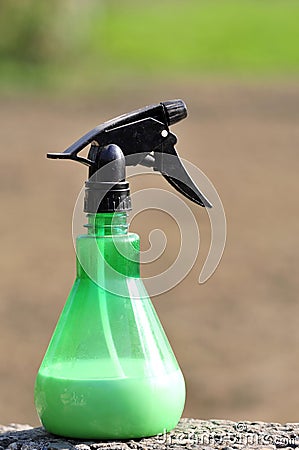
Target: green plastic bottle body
(109, 371)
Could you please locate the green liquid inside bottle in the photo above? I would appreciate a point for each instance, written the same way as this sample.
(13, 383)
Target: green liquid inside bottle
(109, 371)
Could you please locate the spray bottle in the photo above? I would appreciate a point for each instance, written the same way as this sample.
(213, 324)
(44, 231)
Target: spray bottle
(109, 371)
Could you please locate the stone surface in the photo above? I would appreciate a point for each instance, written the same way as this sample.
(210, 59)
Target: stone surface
(189, 434)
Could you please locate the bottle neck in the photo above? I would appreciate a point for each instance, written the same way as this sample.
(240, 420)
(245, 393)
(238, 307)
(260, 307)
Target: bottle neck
(107, 224)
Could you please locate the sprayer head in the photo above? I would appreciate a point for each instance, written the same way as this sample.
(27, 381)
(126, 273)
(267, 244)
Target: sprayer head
(143, 137)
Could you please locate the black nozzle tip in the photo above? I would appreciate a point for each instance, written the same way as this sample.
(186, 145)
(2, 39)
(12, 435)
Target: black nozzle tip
(176, 110)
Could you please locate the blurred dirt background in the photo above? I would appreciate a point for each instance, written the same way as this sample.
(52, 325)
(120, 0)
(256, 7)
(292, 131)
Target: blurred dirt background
(236, 337)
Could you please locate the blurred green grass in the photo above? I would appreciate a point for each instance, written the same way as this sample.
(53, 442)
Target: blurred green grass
(81, 45)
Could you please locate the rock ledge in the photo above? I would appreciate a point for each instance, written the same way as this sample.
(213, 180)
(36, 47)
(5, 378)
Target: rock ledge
(189, 434)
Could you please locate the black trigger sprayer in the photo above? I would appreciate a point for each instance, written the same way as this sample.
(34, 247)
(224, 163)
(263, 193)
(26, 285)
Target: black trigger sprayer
(109, 371)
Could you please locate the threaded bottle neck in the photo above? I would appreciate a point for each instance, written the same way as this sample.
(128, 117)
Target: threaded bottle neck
(107, 224)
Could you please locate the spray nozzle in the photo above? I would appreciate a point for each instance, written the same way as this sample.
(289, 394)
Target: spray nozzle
(142, 137)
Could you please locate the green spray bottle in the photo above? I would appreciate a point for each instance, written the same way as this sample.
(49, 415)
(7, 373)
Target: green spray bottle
(109, 371)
